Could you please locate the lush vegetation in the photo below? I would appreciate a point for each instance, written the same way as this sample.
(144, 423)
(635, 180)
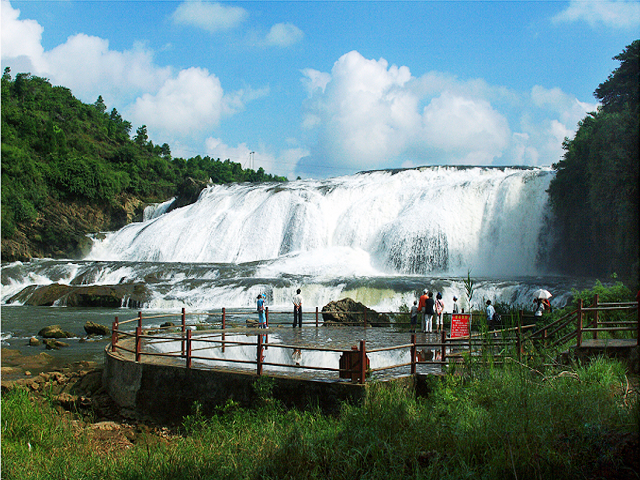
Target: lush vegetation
(595, 192)
(513, 422)
(56, 149)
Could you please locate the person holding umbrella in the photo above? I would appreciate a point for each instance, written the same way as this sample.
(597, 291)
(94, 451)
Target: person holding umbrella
(541, 298)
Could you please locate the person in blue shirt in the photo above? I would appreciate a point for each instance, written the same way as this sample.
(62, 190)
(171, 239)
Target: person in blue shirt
(261, 320)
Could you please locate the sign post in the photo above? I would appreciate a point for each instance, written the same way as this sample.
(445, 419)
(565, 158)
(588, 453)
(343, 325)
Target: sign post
(460, 325)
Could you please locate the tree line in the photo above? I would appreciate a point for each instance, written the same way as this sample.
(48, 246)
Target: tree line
(594, 194)
(57, 148)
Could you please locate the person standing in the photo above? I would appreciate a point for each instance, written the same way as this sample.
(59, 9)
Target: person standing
(261, 319)
(297, 309)
(491, 313)
(414, 315)
(429, 311)
(421, 309)
(455, 305)
(439, 312)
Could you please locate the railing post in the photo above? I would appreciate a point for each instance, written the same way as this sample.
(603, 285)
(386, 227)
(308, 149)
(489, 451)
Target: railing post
(579, 336)
(443, 337)
(266, 316)
(188, 348)
(140, 320)
(413, 353)
(596, 298)
(638, 326)
(519, 338)
(114, 335)
(316, 317)
(138, 342)
(260, 351)
(184, 328)
(363, 362)
(224, 318)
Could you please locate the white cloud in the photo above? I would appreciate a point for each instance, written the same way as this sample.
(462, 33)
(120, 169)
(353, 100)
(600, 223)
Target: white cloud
(191, 102)
(284, 35)
(468, 129)
(313, 79)
(610, 13)
(212, 17)
(366, 114)
(89, 67)
(19, 37)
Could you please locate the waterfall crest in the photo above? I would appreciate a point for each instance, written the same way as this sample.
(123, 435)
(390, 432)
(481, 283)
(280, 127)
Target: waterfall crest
(433, 220)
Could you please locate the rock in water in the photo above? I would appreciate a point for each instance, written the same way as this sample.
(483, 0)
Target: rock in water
(54, 331)
(349, 312)
(93, 328)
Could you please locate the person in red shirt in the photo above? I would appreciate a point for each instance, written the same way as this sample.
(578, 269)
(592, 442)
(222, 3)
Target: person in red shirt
(421, 308)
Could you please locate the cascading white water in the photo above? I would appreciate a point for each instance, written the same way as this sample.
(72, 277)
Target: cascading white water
(379, 238)
(440, 220)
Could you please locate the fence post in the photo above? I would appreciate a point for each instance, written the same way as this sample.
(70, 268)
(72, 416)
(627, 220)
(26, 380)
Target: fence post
(414, 353)
(638, 326)
(266, 316)
(138, 342)
(184, 327)
(519, 338)
(260, 350)
(579, 336)
(595, 315)
(114, 335)
(316, 317)
(363, 362)
(443, 338)
(224, 318)
(140, 320)
(188, 348)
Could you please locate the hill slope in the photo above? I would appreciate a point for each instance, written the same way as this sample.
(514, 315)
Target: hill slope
(70, 168)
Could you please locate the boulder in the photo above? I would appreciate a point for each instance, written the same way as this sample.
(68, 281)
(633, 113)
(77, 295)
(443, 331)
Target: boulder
(34, 342)
(349, 312)
(53, 344)
(54, 331)
(93, 328)
(107, 296)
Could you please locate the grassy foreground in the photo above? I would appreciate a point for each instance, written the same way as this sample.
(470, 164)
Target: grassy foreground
(512, 422)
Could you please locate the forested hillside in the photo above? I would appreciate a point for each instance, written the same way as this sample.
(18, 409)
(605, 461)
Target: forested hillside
(595, 192)
(70, 168)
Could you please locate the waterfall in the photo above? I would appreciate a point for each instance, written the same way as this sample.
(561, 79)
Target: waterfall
(440, 220)
(377, 237)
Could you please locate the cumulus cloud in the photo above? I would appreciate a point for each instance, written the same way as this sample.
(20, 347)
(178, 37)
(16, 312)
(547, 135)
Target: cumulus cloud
(610, 13)
(367, 114)
(469, 129)
(87, 65)
(193, 101)
(84, 63)
(284, 35)
(20, 38)
(212, 17)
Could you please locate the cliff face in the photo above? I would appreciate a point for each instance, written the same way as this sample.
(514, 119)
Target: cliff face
(61, 229)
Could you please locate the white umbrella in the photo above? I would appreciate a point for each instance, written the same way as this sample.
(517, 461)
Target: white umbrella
(542, 294)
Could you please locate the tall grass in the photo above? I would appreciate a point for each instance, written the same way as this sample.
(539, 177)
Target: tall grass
(508, 422)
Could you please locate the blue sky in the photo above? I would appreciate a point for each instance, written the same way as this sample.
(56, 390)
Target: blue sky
(320, 89)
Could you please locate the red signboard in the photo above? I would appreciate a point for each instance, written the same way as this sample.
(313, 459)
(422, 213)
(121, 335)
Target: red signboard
(460, 324)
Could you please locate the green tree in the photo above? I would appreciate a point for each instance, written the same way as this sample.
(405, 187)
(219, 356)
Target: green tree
(594, 194)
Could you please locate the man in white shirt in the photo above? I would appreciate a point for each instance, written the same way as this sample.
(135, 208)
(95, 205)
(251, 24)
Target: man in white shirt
(297, 309)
